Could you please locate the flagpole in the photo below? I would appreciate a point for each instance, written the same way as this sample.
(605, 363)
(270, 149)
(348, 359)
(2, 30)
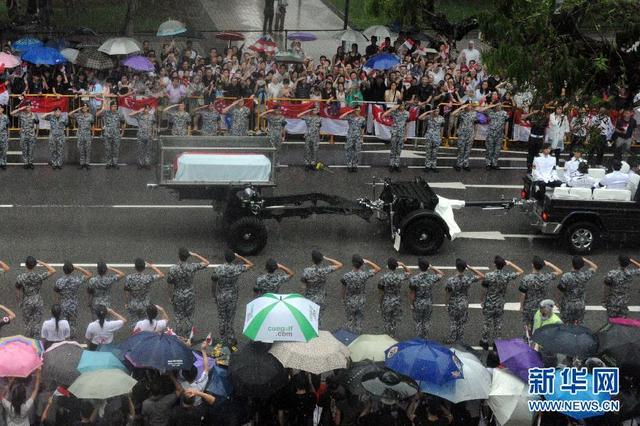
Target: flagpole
(346, 14)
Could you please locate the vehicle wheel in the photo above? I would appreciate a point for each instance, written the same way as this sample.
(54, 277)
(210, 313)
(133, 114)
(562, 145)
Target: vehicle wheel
(582, 237)
(422, 236)
(247, 236)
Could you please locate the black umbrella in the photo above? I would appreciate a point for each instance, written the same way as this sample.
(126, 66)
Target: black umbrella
(389, 385)
(255, 372)
(567, 339)
(60, 363)
(622, 344)
(351, 379)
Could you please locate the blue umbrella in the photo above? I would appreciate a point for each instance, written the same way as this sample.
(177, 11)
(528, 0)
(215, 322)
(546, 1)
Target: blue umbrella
(219, 383)
(424, 360)
(566, 395)
(91, 361)
(112, 348)
(161, 352)
(382, 61)
(43, 56)
(344, 336)
(26, 43)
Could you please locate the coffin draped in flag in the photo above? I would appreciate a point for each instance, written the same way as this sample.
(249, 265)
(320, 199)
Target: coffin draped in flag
(41, 105)
(382, 125)
(129, 104)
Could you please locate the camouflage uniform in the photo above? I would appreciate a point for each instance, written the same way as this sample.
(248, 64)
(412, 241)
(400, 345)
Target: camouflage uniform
(184, 295)
(28, 122)
(495, 134)
(353, 145)
(458, 308)
(239, 121)
(312, 139)
(4, 139)
(56, 139)
(138, 285)
(111, 136)
(210, 122)
(84, 122)
(276, 123)
(534, 286)
(146, 120)
(225, 277)
(433, 139)
(31, 305)
(397, 136)
(354, 282)
(100, 288)
(572, 285)
(493, 305)
(270, 282)
(68, 287)
(391, 306)
(315, 277)
(619, 283)
(422, 284)
(465, 137)
(180, 121)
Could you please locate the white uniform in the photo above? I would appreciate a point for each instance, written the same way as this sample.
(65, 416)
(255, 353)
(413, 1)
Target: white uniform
(571, 168)
(544, 169)
(615, 180)
(581, 181)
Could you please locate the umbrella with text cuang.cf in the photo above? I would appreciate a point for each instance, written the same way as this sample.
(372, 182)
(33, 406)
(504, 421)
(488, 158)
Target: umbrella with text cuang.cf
(371, 347)
(562, 378)
(102, 384)
(518, 357)
(18, 359)
(281, 317)
(61, 362)
(119, 46)
(389, 386)
(254, 372)
(162, 352)
(317, 356)
(508, 399)
(424, 360)
(566, 339)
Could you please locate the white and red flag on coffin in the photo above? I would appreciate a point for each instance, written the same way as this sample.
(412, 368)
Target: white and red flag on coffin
(129, 104)
(41, 105)
(382, 125)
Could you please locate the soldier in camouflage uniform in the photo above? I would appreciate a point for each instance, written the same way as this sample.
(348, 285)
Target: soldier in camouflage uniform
(534, 289)
(99, 287)
(398, 134)
(466, 133)
(28, 285)
(572, 285)
(311, 137)
(112, 131)
(146, 121)
(457, 288)
(272, 280)
(57, 125)
(389, 286)
(67, 289)
(433, 138)
(180, 276)
(239, 117)
(225, 291)
(353, 144)
(495, 287)
(180, 120)
(137, 287)
(28, 133)
(276, 124)
(314, 279)
(618, 286)
(210, 119)
(353, 291)
(84, 121)
(498, 127)
(4, 138)
(420, 291)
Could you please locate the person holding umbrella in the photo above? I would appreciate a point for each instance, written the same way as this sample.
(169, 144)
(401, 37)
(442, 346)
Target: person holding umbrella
(28, 285)
(28, 132)
(457, 289)
(353, 291)
(398, 134)
(112, 131)
(146, 120)
(210, 120)
(313, 121)
(84, 120)
(355, 132)
(15, 402)
(572, 287)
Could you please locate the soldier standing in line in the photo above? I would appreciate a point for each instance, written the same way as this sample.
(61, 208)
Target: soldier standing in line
(495, 287)
(353, 291)
(389, 287)
(534, 289)
(433, 138)
(210, 119)
(276, 128)
(466, 133)
(146, 120)
(57, 125)
(28, 133)
(137, 287)
(498, 127)
(353, 144)
(272, 280)
(572, 285)
(617, 287)
(84, 121)
(112, 131)
(420, 291)
(314, 279)
(4, 138)
(99, 287)
(225, 291)
(457, 289)
(239, 117)
(28, 285)
(313, 121)
(67, 289)
(180, 120)
(400, 117)
(183, 297)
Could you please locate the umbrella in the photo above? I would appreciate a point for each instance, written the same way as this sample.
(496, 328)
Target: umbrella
(264, 45)
(92, 361)
(587, 395)
(102, 384)
(344, 336)
(379, 31)
(289, 57)
(389, 385)
(302, 36)
(567, 339)
(254, 372)
(424, 360)
(138, 63)
(71, 55)
(171, 28)
(41, 55)
(281, 317)
(324, 353)
(82, 34)
(35, 344)
(230, 36)
(60, 363)
(18, 360)
(475, 385)
(518, 357)
(161, 352)
(352, 378)
(119, 46)
(26, 43)
(219, 383)
(508, 398)
(382, 61)
(9, 61)
(91, 58)
(350, 36)
(371, 346)
(622, 344)
(57, 44)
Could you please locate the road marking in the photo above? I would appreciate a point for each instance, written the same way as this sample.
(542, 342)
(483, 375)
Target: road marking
(169, 206)
(499, 236)
(495, 186)
(460, 185)
(6, 206)
(213, 265)
(70, 164)
(116, 206)
(515, 306)
(473, 168)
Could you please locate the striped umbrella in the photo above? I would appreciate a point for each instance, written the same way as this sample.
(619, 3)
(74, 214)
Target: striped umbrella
(91, 58)
(281, 317)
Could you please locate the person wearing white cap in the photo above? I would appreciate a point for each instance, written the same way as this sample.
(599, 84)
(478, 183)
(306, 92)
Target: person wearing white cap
(545, 315)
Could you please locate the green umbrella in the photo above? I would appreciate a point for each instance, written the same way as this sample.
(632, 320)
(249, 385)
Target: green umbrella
(289, 57)
(281, 317)
(102, 384)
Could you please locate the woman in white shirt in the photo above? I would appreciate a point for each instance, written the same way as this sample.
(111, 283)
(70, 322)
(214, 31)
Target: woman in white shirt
(100, 331)
(16, 405)
(558, 130)
(151, 323)
(55, 330)
(392, 95)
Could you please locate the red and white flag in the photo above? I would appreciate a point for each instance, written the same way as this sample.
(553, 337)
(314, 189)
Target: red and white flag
(129, 104)
(41, 105)
(408, 44)
(382, 125)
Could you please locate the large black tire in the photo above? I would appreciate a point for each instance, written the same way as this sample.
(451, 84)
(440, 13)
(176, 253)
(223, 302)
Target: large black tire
(247, 236)
(582, 237)
(422, 236)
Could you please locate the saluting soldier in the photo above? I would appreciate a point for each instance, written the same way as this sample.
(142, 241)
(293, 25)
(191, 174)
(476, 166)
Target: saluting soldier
(137, 287)
(67, 289)
(400, 117)
(498, 127)
(28, 133)
(618, 286)
(225, 291)
(457, 288)
(180, 120)
(239, 117)
(84, 120)
(100, 285)
(466, 133)
(433, 138)
(313, 121)
(389, 286)
(210, 119)
(354, 291)
(534, 289)
(572, 285)
(146, 120)
(28, 285)
(273, 279)
(353, 144)
(4, 138)
(420, 293)
(314, 279)
(57, 125)
(112, 131)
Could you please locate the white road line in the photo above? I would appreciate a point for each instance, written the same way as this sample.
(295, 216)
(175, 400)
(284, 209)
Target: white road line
(70, 164)
(499, 236)
(515, 306)
(473, 168)
(462, 186)
(6, 206)
(495, 186)
(153, 206)
(168, 265)
(116, 206)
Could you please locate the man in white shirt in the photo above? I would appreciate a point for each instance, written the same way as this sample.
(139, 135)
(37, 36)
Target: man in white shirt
(581, 178)
(616, 179)
(470, 54)
(544, 171)
(571, 166)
